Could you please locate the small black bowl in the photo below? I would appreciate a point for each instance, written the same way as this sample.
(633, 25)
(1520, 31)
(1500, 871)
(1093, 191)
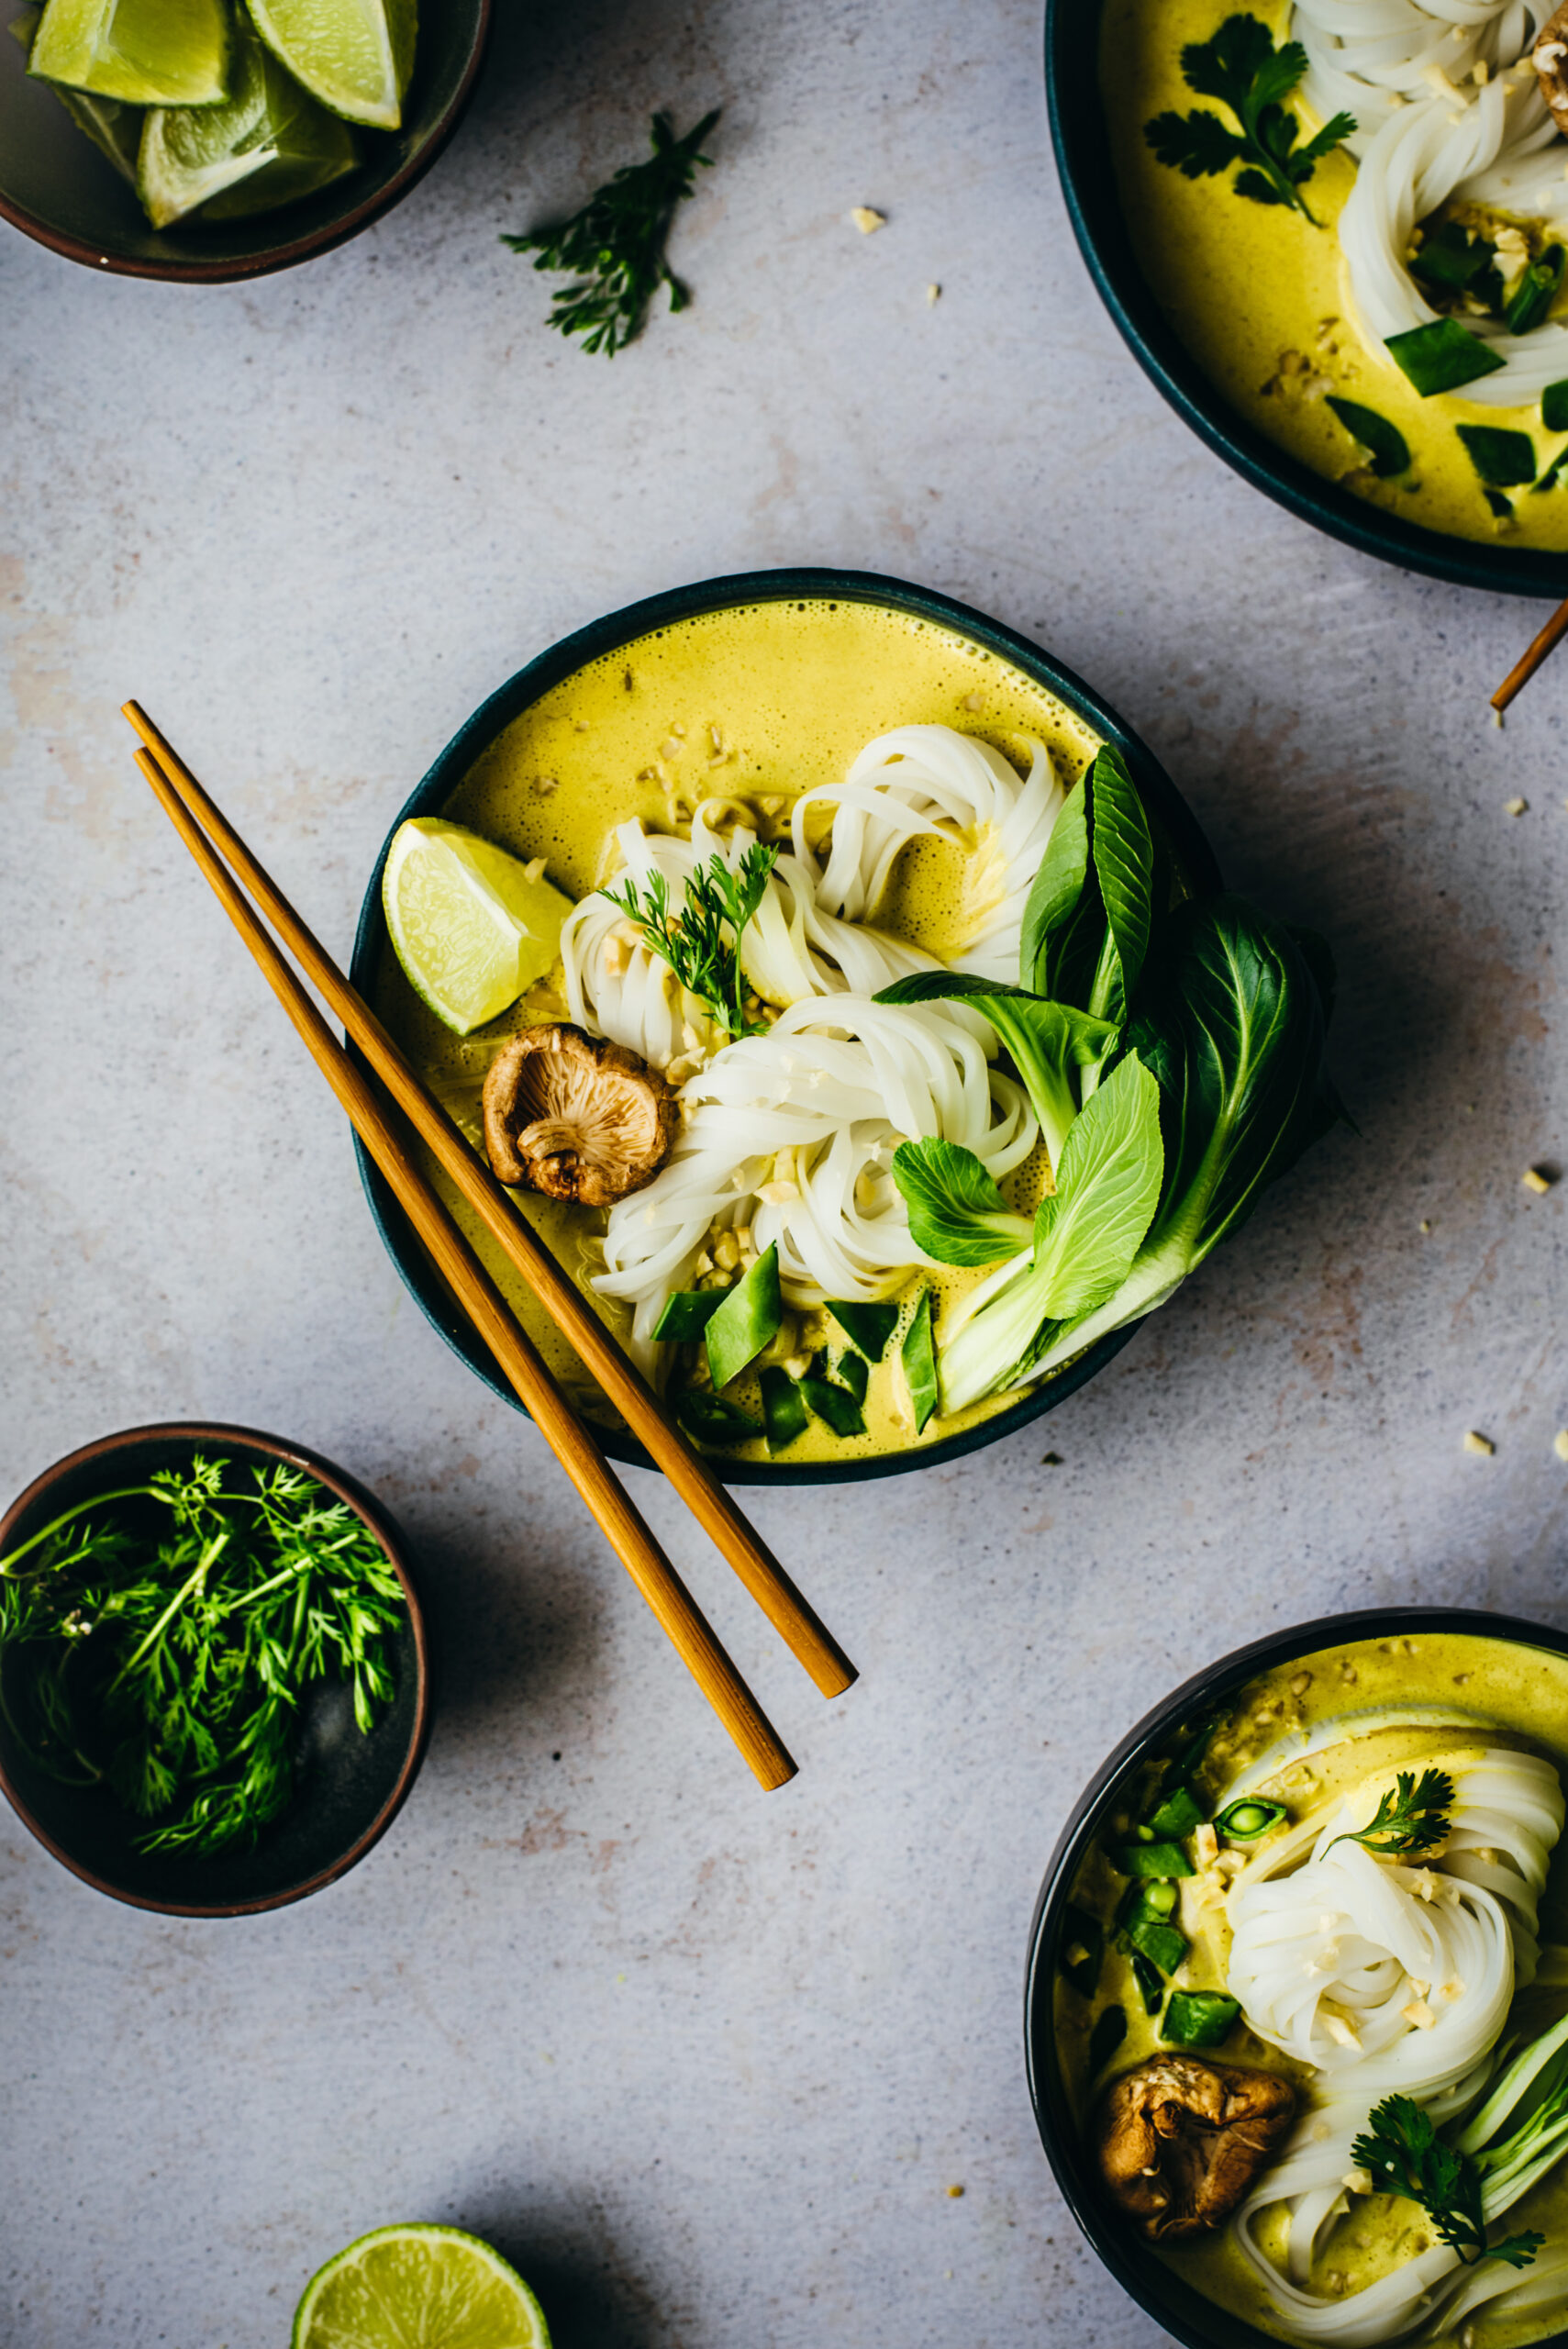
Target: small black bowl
(350, 1788)
(1159, 795)
(1184, 2314)
(1080, 136)
(57, 188)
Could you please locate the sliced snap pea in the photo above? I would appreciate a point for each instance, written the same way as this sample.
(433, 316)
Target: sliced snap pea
(713, 1421)
(1153, 1859)
(1110, 2030)
(1384, 442)
(1162, 1944)
(1149, 1981)
(869, 1327)
(1244, 1821)
(1199, 2019)
(1441, 356)
(851, 1370)
(1178, 1814)
(834, 1405)
(920, 1361)
(1148, 1902)
(1501, 458)
(747, 1320)
(1082, 1949)
(785, 1414)
(687, 1314)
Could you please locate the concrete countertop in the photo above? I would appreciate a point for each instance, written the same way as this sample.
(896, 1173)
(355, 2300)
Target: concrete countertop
(709, 2066)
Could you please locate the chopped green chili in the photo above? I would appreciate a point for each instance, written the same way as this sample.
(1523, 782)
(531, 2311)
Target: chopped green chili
(920, 1361)
(869, 1327)
(1178, 1813)
(746, 1320)
(784, 1410)
(1110, 2030)
(1536, 291)
(1244, 1821)
(1162, 1944)
(834, 1405)
(1385, 445)
(1153, 1859)
(1503, 459)
(713, 1421)
(1149, 1981)
(1199, 2019)
(1441, 356)
(1554, 407)
(1083, 1948)
(687, 1314)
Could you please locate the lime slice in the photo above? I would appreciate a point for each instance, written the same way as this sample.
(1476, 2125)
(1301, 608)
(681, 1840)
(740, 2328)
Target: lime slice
(418, 2288)
(354, 55)
(113, 127)
(269, 145)
(473, 927)
(147, 52)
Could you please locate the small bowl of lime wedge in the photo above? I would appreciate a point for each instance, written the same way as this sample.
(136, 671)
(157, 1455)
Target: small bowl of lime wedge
(216, 139)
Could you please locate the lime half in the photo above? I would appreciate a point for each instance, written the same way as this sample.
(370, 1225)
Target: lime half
(354, 55)
(473, 927)
(147, 52)
(418, 2288)
(269, 145)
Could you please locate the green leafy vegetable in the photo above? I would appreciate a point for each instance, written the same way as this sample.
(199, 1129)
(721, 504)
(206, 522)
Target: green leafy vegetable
(1504, 459)
(1404, 2153)
(867, 1327)
(747, 1320)
(702, 943)
(956, 1213)
(1554, 407)
(687, 1314)
(1242, 67)
(1384, 442)
(1411, 1816)
(1110, 2030)
(1246, 1820)
(785, 1414)
(614, 248)
(919, 1357)
(1053, 1044)
(166, 1655)
(1199, 2019)
(1441, 356)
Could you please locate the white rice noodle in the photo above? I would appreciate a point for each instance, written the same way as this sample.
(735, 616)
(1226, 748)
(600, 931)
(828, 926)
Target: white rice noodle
(1428, 134)
(1390, 1980)
(792, 1133)
(930, 782)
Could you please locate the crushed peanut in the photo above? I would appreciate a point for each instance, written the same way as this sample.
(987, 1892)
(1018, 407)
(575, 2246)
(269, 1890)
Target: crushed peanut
(1474, 1442)
(1537, 1179)
(867, 221)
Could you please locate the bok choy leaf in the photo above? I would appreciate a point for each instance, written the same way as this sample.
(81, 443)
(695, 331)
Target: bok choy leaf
(956, 1213)
(1051, 1043)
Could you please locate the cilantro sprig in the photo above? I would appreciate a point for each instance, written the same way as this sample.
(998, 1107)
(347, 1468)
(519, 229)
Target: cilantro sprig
(1404, 2156)
(614, 248)
(1411, 1816)
(1242, 67)
(702, 943)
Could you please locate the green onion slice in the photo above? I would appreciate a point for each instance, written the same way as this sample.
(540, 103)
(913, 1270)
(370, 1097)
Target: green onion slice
(1244, 1821)
(1441, 356)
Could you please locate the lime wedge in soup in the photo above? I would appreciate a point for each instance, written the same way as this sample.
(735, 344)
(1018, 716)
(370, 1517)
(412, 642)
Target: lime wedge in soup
(146, 53)
(113, 126)
(354, 55)
(418, 2288)
(473, 927)
(269, 144)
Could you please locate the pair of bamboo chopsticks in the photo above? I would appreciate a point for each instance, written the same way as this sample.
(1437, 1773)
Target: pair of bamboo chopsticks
(222, 855)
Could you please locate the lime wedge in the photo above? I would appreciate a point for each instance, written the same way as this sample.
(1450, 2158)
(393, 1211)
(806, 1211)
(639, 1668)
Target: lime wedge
(113, 127)
(354, 55)
(472, 926)
(418, 2288)
(269, 145)
(147, 52)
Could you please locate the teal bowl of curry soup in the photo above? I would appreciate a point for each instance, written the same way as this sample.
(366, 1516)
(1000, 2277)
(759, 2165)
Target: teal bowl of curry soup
(1227, 2040)
(736, 694)
(1362, 388)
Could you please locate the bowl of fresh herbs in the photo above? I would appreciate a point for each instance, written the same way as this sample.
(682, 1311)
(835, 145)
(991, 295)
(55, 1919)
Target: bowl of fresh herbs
(214, 1674)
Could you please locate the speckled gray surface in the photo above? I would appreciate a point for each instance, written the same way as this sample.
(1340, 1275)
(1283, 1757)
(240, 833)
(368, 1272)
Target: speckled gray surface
(706, 2064)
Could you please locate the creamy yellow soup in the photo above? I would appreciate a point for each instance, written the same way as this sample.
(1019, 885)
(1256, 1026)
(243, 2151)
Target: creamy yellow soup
(1402, 1703)
(1260, 298)
(755, 703)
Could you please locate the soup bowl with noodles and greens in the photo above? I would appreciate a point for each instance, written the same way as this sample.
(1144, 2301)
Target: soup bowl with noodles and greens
(1298, 1992)
(848, 1001)
(1335, 231)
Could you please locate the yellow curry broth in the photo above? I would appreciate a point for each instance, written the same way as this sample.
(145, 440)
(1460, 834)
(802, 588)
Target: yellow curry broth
(1401, 1702)
(1261, 299)
(757, 703)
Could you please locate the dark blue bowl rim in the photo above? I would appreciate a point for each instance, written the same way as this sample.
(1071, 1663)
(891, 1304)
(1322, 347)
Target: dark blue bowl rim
(1158, 2291)
(1094, 207)
(608, 635)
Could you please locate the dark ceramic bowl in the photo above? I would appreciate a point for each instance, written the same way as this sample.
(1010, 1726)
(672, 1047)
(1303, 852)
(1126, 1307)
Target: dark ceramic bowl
(1094, 203)
(57, 187)
(1159, 795)
(1184, 2314)
(350, 1788)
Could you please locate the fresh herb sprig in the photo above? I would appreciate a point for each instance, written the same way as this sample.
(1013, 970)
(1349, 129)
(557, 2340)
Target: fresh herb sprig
(614, 248)
(1411, 1816)
(1404, 2156)
(1242, 67)
(169, 1666)
(702, 943)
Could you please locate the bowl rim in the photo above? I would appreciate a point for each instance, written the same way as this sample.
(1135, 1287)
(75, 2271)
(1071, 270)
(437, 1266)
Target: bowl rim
(371, 1513)
(1088, 187)
(237, 268)
(609, 634)
(1174, 2302)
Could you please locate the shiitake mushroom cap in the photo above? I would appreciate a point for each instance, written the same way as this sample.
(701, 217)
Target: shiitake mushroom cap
(575, 1116)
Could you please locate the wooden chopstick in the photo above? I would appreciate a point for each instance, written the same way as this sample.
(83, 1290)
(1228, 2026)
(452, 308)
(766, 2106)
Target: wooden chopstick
(792, 1616)
(1524, 669)
(572, 1443)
